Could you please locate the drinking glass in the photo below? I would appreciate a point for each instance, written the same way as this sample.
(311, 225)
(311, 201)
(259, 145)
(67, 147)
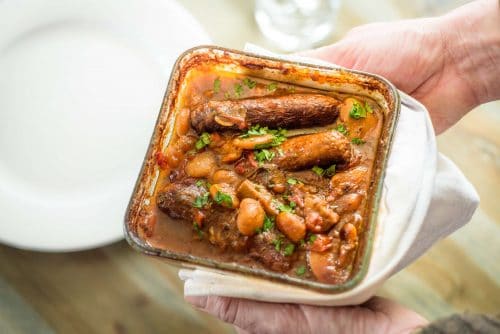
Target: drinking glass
(293, 25)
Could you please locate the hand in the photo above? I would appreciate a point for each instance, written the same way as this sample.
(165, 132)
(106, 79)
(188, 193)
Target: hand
(378, 315)
(451, 63)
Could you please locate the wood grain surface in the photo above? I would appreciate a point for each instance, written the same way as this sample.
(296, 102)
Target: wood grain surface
(113, 289)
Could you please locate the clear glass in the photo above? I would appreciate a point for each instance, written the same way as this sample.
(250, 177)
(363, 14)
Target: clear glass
(293, 25)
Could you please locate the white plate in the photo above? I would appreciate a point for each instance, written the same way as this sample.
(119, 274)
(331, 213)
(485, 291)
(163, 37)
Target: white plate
(81, 83)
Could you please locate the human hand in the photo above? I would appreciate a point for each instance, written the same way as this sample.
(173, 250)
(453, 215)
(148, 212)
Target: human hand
(378, 315)
(451, 63)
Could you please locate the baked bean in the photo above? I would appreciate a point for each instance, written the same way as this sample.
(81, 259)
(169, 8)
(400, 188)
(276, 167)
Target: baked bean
(291, 225)
(202, 165)
(250, 216)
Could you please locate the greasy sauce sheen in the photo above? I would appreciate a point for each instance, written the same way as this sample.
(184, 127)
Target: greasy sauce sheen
(268, 175)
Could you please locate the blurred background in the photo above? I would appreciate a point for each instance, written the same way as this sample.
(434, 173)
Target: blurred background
(113, 289)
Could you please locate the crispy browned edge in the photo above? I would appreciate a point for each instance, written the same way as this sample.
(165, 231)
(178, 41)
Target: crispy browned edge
(292, 70)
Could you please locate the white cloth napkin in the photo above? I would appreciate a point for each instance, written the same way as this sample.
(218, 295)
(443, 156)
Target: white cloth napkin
(425, 198)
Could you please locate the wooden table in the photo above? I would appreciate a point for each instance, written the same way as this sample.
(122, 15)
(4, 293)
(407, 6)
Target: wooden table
(115, 290)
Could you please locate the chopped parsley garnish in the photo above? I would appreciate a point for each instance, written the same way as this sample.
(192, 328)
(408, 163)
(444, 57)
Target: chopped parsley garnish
(272, 86)
(286, 208)
(357, 111)
(292, 204)
(268, 224)
(227, 95)
(277, 244)
(279, 135)
(249, 83)
(342, 129)
(255, 130)
(202, 184)
(238, 89)
(312, 238)
(217, 85)
(318, 170)
(264, 155)
(357, 141)
(289, 249)
(280, 151)
(292, 181)
(330, 171)
(201, 201)
(197, 229)
(300, 270)
(203, 141)
(223, 198)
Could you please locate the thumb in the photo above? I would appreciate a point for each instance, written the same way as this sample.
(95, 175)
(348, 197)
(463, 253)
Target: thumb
(339, 53)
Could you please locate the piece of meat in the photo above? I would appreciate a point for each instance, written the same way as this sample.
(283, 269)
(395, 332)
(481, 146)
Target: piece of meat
(263, 249)
(351, 180)
(286, 111)
(176, 199)
(319, 149)
(223, 231)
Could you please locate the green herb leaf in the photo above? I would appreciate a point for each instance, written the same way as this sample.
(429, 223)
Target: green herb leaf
(342, 129)
(238, 89)
(312, 238)
(217, 85)
(249, 83)
(300, 270)
(292, 181)
(272, 86)
(292, 204)
(357, 141)
(280, 151)
(301, 242)
(357, 111)
(227, 95)
(277, 244)
(279, 135)
(285, 208)
(289, 249)
(197, 229)
(318, 170)
(330, 171)
(255, 130)
(200, 183)
(203, 141)
(223, 198)
(201, 201)
(264, 155)
(268, 224)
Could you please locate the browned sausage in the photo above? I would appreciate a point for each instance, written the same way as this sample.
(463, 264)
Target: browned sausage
(287, 111)
(319, 149)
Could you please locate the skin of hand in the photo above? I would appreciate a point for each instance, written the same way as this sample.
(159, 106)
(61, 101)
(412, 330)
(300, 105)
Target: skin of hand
(378, 315)
(451, 64)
